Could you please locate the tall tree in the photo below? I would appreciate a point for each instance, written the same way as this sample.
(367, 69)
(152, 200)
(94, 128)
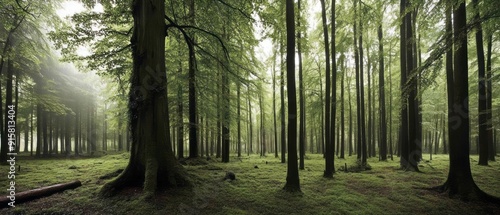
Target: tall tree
(330, 158)
(328, 132)
(489, 91)
(152, 162)
(193, 125)
(302, 123)
(282, 110)
(482, 100)
(292, 176)
(381, 89)
(460, 182)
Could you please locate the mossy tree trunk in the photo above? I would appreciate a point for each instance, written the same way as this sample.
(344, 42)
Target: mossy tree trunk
(152, 162)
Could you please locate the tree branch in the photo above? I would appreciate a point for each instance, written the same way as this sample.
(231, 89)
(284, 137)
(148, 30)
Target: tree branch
(182, 27)
(25, 9)
(238, 9)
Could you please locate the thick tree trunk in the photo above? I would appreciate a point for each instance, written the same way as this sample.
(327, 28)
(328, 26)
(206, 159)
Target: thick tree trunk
(460, 182)
(152, 163)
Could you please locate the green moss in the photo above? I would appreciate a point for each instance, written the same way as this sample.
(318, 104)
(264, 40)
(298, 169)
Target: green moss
(382, 190)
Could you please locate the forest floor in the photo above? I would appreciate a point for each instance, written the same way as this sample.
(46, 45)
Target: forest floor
(382, 190)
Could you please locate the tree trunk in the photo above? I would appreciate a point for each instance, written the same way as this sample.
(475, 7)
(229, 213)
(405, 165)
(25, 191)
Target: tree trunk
(180, 123)
(10, 120)
(302, 128)
(274, 107)
(193, 125)
(358, 92)
(328, 154)
(342, 121)
(292, 176)
(482, 100)
(460, 182)
(152, 162)
(362, 96)
(381, 89)
(489, 95)
(330, 161)
(282, 110)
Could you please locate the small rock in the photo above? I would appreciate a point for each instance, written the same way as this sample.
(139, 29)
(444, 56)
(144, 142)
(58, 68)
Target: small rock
(72, 167)
(230, 175)
(256, 167)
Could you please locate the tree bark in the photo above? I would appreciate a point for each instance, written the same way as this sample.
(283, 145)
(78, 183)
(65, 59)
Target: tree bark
(152, 163)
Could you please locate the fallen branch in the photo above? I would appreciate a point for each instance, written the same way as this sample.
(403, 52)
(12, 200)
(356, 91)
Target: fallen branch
(37, 193)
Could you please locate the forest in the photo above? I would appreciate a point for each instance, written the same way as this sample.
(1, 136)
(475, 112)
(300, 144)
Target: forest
(249, 107)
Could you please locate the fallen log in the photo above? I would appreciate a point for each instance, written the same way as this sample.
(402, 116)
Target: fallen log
(11, 200)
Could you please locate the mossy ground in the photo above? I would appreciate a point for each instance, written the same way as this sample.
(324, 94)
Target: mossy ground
(382, 190)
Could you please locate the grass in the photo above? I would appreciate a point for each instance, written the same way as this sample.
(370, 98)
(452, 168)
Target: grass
(382, 190)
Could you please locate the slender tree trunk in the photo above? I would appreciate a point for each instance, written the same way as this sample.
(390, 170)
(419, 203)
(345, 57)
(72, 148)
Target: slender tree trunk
(331, 160)
(328, 154)
(358, 91)
(282, 110)
(362, 97)
(342, 119)
(250, 142)
(482, 100)
(274, 107)
(381, 88)
(403, 138)
(292, 177)
(193, 125)
(302, 123)
(180, 122)
(489, 95)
